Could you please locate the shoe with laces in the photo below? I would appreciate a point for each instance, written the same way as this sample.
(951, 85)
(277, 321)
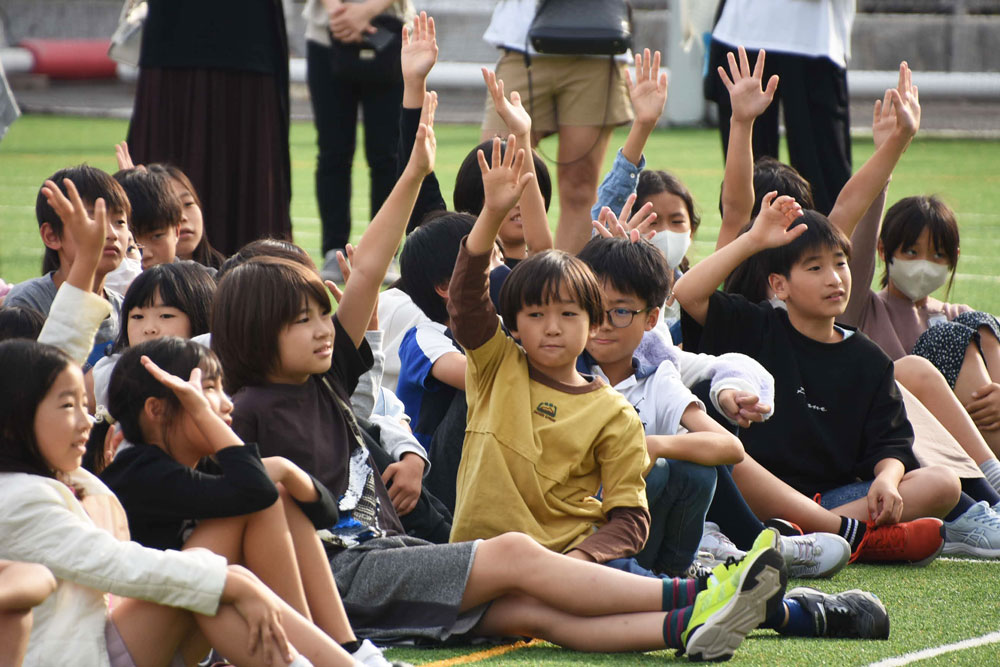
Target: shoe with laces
(740, 595)
(975, 533)
(814, 555)
(370, 655)
(917, 542)
(718, 545)
(852, 614)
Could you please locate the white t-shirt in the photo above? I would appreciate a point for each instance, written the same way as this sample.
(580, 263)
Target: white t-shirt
(397, 314)
(509, 25)
(820, 28)
(659, 397)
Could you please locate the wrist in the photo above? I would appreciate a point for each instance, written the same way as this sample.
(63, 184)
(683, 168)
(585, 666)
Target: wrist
(740, 121)
(414, 90)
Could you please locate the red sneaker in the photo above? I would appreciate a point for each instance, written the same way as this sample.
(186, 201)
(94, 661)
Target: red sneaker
(917, 542)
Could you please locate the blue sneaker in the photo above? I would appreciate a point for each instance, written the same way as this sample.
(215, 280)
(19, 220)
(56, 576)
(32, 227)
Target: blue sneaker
(974, 533)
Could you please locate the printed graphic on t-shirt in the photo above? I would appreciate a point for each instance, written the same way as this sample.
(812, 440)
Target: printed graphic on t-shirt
(812, 406)
(547, 410)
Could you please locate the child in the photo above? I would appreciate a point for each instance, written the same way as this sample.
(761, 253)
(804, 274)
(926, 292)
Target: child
(175, 499)
(84, 185)
(293, 376)
(44, 423)
(192, 243)
(165, 300)
(834, 387)
(156, 214)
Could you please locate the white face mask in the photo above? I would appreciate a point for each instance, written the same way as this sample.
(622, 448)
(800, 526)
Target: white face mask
(119, 279)
(673, 245)
(916, 278)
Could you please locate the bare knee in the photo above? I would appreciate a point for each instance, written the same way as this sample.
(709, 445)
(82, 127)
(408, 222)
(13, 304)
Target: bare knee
(917, 373)
(514, 546)
(940, 485)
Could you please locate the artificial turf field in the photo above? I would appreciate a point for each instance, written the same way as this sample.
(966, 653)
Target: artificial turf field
(950, 601)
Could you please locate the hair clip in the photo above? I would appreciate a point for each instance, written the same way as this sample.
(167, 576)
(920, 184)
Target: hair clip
(102, 416)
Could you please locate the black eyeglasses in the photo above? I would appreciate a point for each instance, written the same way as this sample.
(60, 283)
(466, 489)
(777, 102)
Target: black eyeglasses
(622, 317)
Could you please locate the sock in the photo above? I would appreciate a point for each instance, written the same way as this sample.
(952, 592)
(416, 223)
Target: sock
(300, 661)
(991, 468)
(351, 646)
(800, 622)
(852, 530)
(674, 624)
(964, 503)
(979, 489)
(679, 593)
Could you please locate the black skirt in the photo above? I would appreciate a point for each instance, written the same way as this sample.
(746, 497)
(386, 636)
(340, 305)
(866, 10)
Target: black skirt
(228, 131)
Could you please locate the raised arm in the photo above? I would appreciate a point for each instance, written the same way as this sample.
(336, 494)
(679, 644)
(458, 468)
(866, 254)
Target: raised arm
(379, 242)
(503, 184)
(748, 100)
(896, 121)
(770, 229)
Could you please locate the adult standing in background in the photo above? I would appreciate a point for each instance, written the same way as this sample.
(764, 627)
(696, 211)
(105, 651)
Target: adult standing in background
(808, 43)
(212, 99)
(352, 56)
(580, 98)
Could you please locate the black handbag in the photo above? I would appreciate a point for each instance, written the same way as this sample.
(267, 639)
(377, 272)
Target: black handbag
(375, 59)
(582, 27)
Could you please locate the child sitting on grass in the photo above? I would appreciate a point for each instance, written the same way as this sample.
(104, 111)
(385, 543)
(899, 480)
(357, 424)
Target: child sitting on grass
(89, 185)
(841, 418)
(156, 214)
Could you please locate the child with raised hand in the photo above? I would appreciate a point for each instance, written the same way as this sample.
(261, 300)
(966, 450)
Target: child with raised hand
(174, 605)
(90, 185)
(155, 218)
(293, 380)
(176, 498)
(835, 387)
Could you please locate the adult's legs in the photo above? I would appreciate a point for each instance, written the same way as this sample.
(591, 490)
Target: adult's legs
(380, 106)
(335, 108)
(23, 586)
(580, 155)
(765, 128)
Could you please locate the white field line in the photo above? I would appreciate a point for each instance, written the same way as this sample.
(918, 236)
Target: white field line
(949, 559)
(907, 658)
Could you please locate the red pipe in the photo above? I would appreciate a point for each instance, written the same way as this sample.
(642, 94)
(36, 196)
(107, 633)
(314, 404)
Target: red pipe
(71, 58)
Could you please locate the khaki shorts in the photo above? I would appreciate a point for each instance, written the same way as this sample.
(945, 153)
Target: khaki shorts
(568, 91)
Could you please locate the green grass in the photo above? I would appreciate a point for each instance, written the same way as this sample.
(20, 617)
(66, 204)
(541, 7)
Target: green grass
(965, 172)
(943, 603)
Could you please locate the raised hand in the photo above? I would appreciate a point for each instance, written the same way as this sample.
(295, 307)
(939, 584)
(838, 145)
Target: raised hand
(123, 157)
(634, 227)
(425, 145)
(746, 95)
(504, 182)
(420, 49)
(189, 392)
(345, 269)
(898, 111)
(87, 233)
(771, 227)
(649, 89)
(512, 112)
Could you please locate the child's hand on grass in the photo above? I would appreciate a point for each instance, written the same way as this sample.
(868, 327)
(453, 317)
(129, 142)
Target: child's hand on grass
(648, 91)
(747, 97)
(504, 182)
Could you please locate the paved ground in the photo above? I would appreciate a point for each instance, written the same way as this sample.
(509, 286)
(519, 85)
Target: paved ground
(114, 99)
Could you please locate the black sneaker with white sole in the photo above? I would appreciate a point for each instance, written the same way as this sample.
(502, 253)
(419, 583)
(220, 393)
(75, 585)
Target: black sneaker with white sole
(853, 614)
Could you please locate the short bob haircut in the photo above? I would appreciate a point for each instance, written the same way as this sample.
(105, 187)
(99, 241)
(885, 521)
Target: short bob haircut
(203, 253)
(131, 384)
(92, 184)
(428, 260)
(20, 322)
(821, 234)
(29, 371)
(631, 268)
(468, 195)
(253, 304)
(186, 286)
(538, 280)
(154, 204)
(905, 221)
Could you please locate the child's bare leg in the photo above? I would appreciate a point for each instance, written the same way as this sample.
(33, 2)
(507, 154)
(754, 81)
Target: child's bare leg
(515, 563)
(971, 377)
(262, 542)
(770, 497)
(523, 615)
(227, 632)
(924, 380)
(931, 491)
(22, 587)
(991, 352)
(321, 590)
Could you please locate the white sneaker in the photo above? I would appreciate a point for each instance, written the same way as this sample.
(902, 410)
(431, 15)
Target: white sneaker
(814, 555)
(716, 543)
(369, 655)
(975, 533)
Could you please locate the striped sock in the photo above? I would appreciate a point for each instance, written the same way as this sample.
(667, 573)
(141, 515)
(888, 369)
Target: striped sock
(674, 624)
(851, 530)
(679, 593)
(991, 468)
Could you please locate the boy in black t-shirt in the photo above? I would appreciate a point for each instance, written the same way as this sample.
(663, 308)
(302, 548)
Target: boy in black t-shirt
(840, 430)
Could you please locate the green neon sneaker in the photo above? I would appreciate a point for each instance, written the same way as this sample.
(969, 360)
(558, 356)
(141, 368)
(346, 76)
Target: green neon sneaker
(740, 595)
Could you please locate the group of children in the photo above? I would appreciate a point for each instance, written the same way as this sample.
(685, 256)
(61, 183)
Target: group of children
(510, 441)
